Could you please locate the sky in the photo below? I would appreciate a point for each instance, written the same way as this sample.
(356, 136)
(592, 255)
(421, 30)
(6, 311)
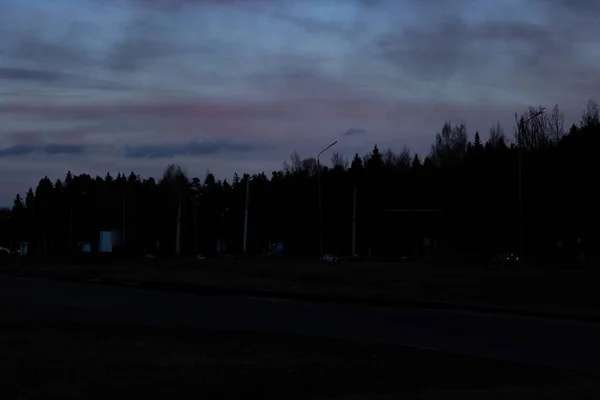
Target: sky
(97, 86)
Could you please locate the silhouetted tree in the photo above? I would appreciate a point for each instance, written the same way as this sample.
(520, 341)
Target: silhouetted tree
(591, 115)
(556, 124)
(532, 131)
(497, 138)
(450, 145)
(477, 145)
(472, 188)
(339, 161)
(416, 162)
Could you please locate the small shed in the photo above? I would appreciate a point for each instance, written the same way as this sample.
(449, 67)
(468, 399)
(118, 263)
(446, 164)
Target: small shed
(109, 239)
(23, 248)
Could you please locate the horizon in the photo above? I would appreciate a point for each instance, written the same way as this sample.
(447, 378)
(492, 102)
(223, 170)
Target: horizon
(238, 86)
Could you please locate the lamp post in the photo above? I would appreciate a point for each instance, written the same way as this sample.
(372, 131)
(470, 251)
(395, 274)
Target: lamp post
(519, 145)
(320, 200)
(196, 203)
(245, 239)
(71, 222)
(221, 230)
(124, 218)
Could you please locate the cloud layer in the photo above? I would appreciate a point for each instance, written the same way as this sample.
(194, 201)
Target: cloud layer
(192, 148)
(238, 85)
(52, 149)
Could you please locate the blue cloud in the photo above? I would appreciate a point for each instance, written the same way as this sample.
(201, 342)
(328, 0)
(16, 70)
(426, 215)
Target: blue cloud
(354, 131)
(64, 149)
(28, 74)
(52, 149)
(16, 151)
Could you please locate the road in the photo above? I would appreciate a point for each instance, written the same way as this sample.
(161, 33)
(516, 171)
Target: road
(562, 344)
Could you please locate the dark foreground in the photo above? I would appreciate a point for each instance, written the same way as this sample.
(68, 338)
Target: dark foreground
(559, 288)
(83, 361)
(60, 339)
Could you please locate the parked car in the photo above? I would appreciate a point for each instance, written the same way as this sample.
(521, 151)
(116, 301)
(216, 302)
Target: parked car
(330, 258)
(507, 258)
(4, 254)
(275, 249)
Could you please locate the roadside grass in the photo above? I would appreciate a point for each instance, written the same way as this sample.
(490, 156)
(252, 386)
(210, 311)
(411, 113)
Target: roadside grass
(564, 288)
(80, 361)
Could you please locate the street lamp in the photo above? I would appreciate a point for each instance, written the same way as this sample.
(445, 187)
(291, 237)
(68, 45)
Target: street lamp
(245, 238)
(196, 203)
(71, 221)
(519, 144)
(320, 200)
(221, 233)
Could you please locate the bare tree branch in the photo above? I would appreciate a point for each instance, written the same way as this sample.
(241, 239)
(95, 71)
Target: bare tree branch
(556, 124)
(450, 144)
(497, 138)
(339, 161)
(590, 117)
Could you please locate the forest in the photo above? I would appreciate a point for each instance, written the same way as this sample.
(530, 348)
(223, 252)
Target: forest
(534, 187)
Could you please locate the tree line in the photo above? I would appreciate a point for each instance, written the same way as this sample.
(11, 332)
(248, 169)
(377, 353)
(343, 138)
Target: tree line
(462, 197)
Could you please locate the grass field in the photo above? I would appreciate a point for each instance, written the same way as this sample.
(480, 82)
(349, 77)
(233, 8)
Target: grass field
(74, 361)
(563, 288)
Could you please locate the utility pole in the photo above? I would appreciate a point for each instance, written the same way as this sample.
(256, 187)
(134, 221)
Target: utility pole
(221, 239)
(71, 220)
(354, 224)
(195, 227)
(124, 205)
(246, 215)
(521, 229)
(71, 227)
(320, 209)
(178, 232)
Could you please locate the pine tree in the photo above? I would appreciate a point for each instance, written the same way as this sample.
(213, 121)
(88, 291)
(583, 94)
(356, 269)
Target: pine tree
(357, 163)
(17, 204)
(29, 199)
(68, 179)
(477, 145)
(416, 162)
(470, 148)
(375, 159)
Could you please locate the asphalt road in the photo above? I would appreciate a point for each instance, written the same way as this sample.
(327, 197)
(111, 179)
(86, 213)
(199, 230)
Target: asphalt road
(561, 344)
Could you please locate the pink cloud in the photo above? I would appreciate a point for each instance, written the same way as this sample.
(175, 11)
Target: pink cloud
(206, 109)
(69, 137)
(287, 124)
(41, 137)
(29, 138)
(209, 109)
(238, 115)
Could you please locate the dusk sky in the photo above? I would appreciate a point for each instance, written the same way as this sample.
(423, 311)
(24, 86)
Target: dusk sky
(100, 86)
